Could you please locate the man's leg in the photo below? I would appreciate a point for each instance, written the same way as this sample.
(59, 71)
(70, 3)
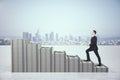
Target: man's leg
(87, 53)
(97, 54)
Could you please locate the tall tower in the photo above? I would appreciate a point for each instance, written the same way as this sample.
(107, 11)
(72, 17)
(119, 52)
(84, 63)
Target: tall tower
(37, 36)
(57, 37)
(52, 36)
(27, 36)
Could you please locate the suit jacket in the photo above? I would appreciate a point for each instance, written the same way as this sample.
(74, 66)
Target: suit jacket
(93, 43)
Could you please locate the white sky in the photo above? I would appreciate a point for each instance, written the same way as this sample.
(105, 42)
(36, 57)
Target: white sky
(77, 17)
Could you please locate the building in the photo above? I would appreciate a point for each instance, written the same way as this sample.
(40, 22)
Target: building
(46, 37)
(52, 36)
(27, 36)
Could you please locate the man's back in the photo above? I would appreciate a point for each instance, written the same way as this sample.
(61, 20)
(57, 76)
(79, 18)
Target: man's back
(93, 43)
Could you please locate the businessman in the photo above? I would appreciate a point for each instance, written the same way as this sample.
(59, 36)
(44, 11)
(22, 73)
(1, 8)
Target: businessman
(93, 47)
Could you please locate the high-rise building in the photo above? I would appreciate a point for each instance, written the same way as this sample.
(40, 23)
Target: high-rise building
(57, 37)
(27, 36)
(37, 36)
(46, 37)
(52, 36)
(79, 38)
(70, 37)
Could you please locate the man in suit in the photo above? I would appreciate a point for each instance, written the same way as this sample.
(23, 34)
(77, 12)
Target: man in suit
(93, 47)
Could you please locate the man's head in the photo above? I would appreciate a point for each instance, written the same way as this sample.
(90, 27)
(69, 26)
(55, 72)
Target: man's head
(94, 32)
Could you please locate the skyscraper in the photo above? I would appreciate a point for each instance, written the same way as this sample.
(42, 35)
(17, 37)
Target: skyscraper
(27, 36)
(46, 37)
(37, 36)
(57, 37)
(52, 36)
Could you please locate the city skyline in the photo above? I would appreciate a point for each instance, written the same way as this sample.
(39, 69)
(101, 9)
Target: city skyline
(54, 39)
(77, 17)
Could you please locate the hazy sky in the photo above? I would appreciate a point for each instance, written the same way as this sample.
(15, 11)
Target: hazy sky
(77, 17)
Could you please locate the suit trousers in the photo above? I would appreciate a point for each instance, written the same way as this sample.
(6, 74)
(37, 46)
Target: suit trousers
(96, 53)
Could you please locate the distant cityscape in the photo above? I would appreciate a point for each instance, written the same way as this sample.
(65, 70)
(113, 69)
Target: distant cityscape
(55, 39)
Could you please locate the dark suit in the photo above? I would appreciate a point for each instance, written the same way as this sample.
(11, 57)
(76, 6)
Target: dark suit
(93, 47)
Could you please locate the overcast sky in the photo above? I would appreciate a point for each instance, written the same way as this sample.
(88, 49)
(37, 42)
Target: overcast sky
(78, 17)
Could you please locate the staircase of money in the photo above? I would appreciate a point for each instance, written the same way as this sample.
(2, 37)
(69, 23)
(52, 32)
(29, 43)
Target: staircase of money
(32, 57)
